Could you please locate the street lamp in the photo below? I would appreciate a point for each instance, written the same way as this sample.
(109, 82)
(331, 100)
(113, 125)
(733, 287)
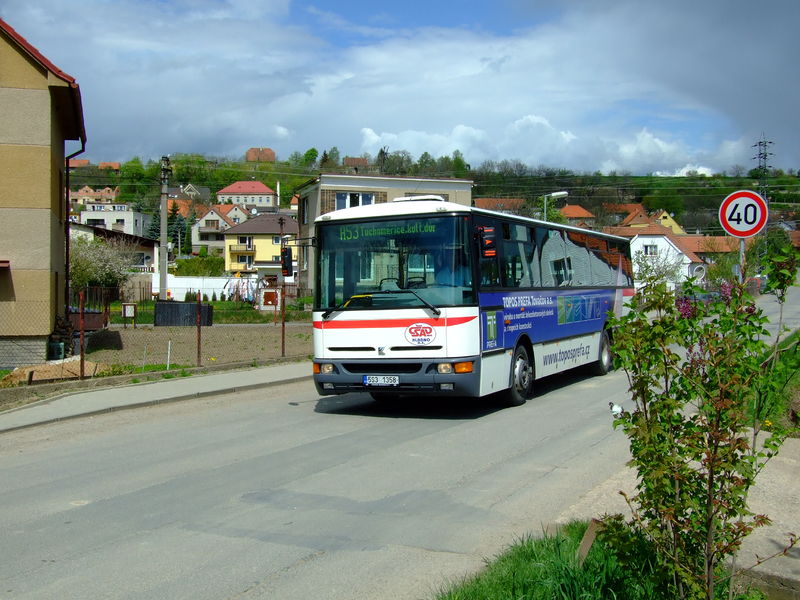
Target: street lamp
(554, 196)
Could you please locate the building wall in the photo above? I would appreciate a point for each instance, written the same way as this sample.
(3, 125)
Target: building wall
(134, 223)
(32, 206)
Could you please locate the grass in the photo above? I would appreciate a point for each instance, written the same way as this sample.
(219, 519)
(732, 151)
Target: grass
(224, 313)
(547, 568)
(117, 369)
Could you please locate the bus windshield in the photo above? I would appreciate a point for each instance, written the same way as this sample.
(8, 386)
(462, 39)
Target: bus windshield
(394, 263)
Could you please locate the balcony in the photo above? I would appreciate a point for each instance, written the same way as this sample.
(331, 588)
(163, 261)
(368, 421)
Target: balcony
(243, 249)
(236, 266)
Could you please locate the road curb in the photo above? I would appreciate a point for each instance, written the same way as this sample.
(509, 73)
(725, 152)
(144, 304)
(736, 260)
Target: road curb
(146, 403)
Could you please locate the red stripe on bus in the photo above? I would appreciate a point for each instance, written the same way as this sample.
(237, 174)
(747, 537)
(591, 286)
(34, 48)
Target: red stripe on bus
(375, 323)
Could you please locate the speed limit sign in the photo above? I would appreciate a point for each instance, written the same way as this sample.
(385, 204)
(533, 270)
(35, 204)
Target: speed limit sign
(743, 214)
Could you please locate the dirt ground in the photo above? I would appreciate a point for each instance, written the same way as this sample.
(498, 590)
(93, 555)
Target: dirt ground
(217, 344)
(176, 346)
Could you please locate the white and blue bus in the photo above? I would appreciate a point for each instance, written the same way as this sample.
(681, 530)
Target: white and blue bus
(425, 297)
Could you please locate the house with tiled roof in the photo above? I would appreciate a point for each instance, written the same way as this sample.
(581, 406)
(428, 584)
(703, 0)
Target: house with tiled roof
(622, 212)
(654, 242)
(109, 166)
(208, 231)
(260, 155)
(577, 215)
(504, 205)
(42, 114)
(255, 245)
(78, 163)
(249, 192)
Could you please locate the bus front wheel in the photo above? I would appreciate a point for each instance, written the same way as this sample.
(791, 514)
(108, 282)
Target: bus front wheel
(521, 387)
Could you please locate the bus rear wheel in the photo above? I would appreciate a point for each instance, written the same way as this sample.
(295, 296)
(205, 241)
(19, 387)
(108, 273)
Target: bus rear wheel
(521, 387)
(604, 364)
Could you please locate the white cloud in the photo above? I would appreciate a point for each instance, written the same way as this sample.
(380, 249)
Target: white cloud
(626, 87)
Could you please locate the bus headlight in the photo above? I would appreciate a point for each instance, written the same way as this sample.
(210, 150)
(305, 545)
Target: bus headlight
(459, 367)
(323, 368)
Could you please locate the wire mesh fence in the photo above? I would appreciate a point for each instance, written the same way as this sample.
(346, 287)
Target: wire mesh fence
(104, 334)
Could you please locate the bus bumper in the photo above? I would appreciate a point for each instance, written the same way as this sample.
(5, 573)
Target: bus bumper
(397, 377)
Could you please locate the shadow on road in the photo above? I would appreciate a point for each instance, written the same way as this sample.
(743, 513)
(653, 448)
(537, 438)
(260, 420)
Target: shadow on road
(414, 407)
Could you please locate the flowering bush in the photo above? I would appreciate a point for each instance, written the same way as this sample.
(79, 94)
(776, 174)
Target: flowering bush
(694, 370)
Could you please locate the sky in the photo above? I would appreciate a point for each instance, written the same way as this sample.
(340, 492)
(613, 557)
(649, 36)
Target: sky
(626, 86)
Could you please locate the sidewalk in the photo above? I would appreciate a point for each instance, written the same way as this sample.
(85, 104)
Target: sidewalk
(101, 400)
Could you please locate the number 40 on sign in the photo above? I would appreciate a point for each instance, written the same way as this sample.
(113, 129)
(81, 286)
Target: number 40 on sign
(743, 214)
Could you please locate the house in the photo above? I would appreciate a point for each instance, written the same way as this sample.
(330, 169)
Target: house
(255, 245)
(355, 164)
(144, 249)
(618, 213)
(504, 205)
(41, 111)
(117, 217)
(260, 155)
(333, 191)
(209, 228)
(88, 194)
(249, 192)
(195, 193)
(577, 215)
(77, 163)
(658, 243)
(208, 232)
(109, 166)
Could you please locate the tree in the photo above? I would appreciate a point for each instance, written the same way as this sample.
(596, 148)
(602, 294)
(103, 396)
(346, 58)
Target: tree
(310, 157)
(664, 266)
(95, 262)
(692, 369)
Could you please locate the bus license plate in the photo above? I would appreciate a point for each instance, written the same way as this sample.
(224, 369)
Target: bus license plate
(381, 380)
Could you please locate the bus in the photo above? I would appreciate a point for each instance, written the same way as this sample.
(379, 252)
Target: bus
(420, 296)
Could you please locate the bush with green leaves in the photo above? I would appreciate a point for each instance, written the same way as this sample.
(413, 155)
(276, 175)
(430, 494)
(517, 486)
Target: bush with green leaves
(695, 371)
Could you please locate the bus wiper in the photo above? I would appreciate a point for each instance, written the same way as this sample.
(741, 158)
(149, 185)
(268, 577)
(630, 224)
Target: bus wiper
(427, 304)
(333, 309)
(436, 311)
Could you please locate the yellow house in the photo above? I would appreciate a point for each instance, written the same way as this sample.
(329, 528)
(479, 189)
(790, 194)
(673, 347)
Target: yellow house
(40, 109)
(255, 245)
(662, 217)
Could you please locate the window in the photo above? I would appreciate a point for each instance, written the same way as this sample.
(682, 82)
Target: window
(276, 239)
(351, 199)
(650, 250)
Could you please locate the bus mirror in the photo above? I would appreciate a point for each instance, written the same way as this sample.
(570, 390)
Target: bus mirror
(488, 241)
(286, 261)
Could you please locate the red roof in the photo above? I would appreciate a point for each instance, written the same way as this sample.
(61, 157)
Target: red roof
(247, 187)
(499, 204)
(575, 211)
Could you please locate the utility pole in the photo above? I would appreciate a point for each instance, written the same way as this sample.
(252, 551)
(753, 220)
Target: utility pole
(281, 222)
(763, 168)
(162, 245)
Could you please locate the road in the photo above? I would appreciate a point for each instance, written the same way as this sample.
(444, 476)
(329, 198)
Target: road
(288, 495)
(282, 494)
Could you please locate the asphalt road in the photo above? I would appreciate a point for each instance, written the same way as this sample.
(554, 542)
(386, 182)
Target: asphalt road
(282, 494)
(289, 495)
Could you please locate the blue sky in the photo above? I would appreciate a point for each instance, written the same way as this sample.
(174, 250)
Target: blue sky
(619, 85)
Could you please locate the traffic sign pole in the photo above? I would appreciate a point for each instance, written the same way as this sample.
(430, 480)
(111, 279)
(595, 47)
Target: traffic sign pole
(743, 214)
